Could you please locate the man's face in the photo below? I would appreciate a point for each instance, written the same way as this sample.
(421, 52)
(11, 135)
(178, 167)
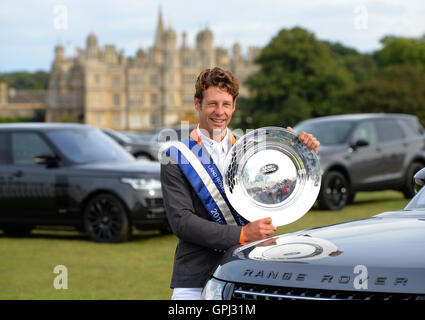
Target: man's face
(215, 111)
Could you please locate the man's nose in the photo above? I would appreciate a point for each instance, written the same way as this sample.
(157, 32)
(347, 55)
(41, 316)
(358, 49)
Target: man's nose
(219, 109)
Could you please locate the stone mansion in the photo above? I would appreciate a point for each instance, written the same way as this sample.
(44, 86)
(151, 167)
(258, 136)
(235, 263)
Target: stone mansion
(155, 88)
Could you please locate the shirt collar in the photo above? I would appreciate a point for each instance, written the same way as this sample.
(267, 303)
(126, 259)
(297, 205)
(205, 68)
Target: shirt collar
(212, 144)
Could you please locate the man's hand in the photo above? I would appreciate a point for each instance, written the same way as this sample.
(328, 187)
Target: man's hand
(258, 230)
(308, 140)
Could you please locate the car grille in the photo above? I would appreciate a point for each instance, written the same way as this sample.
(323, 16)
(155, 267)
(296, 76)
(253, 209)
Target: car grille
(254, 292)
(155, 208)
(153, 203)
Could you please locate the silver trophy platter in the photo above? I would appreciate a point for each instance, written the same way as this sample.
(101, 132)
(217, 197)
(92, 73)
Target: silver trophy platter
(270, 173)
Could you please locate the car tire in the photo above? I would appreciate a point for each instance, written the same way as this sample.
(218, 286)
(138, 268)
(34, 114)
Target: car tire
(334, 192)
(105, 219)
(409, 185)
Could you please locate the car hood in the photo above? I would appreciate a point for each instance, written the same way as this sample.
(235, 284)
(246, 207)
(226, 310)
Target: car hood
(130, 168)
(388, 249)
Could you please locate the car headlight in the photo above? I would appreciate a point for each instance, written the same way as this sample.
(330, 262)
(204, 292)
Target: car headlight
(213, 290)
(142, 184)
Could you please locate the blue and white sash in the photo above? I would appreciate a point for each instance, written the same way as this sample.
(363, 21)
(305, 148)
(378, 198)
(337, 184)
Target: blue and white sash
(205, 178)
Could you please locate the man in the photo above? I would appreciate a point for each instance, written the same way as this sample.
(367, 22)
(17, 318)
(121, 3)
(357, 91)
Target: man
(198, 212)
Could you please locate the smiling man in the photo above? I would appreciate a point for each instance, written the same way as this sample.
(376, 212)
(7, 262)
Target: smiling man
(215, 104)
(192, 185)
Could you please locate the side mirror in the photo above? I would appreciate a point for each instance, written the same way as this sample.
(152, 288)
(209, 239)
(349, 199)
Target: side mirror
(419, 179)
(48, 160)
(359, 143)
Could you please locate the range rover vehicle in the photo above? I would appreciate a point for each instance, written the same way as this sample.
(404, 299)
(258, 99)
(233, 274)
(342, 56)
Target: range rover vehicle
(378, 258)
(366, 152)
(75, 175)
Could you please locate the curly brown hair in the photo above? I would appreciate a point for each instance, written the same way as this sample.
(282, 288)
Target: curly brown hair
(216, 77)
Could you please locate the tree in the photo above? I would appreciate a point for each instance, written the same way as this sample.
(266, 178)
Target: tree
(380, 93)
(298, 78)
(361, 66)
(25, 80)
(399, 50)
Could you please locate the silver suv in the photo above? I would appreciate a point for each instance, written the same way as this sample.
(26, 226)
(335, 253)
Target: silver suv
(366, 152)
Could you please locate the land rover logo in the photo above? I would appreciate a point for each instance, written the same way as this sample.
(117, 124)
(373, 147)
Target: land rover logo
(269, 168)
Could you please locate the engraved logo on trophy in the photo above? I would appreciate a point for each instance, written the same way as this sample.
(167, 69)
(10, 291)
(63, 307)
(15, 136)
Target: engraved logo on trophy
(269, 168)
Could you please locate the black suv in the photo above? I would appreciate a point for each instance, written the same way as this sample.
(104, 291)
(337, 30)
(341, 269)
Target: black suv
(379, 258)
(366, 152)
(75, 175)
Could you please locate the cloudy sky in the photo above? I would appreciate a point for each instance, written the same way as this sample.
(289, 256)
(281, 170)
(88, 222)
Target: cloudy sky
(29, 30)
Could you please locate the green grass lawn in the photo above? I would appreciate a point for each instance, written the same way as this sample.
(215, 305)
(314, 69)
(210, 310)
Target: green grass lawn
(138, 269)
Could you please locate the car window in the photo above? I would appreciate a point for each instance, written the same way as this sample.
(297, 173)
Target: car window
(28, 145)
(414, 126)
(5, 154)
(327, 132)
(88, 146)
(389, 130)
(365, 130)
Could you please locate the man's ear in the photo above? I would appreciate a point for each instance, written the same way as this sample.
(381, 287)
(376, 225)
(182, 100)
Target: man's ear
(197, 103)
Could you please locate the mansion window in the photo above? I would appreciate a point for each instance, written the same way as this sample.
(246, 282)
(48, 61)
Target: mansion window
(116, 81)
(189, 78)
(116, 100)
(153, 79)
(154, 120)
(136, 121)
(117, 120)
(78, 101)
(154, 99)
(69, 99)
(136, 79)
(188, 98)
(135, 100)
(171, 101)
(188, 61)
(97, 100)
(171, 79)
(98, 120)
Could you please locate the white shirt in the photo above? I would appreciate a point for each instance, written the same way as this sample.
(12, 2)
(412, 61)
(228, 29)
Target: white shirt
(217, 150)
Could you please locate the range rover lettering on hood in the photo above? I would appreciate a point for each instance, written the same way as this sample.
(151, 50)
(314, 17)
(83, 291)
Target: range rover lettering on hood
(326, 278)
